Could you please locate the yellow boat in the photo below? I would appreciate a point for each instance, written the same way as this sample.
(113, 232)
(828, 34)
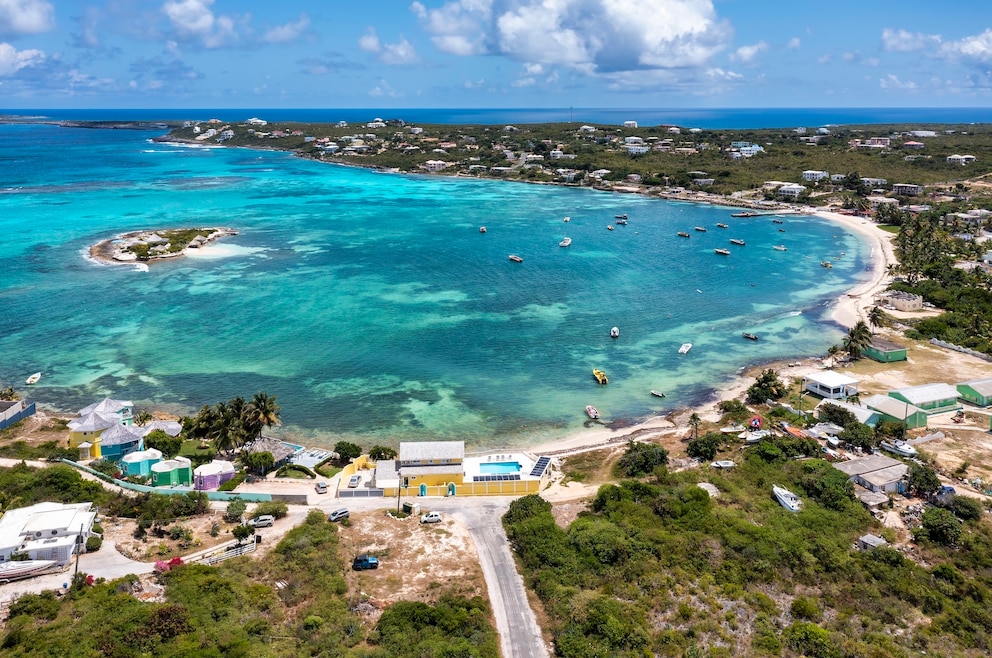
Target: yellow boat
(600, 376)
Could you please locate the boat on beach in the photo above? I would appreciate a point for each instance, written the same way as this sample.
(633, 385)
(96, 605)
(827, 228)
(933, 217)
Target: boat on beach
(737, 242)
(683, 234)
(516, 259)
(565, 242)
(22, 569)
(592, 411)
(722, 252)
(779, 247)
(615, 332)
(750, 336)
(33, 379)
(787, 499)
(600, 376)
(732, 429)
(685, 348)
(657, 394)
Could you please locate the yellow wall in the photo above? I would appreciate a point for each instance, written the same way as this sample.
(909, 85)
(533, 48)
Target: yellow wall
(75, 438)
(502, 488)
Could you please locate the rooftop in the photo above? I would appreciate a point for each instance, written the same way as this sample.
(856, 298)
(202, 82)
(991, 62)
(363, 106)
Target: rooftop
(928, 393)
(427, 450)
(831, 379)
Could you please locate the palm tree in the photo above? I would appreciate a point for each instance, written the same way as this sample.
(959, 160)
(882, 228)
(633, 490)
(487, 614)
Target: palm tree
(262, 412)
(832, 352)
(694, 421)
(876, 317)
(857, 339)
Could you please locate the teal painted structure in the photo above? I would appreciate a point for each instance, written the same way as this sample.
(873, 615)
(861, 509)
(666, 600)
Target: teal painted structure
(227, 496)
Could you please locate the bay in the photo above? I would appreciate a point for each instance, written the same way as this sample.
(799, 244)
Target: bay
(371, 305)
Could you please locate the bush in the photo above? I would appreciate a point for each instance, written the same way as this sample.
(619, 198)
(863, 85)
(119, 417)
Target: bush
(235, 510)
(347, 451)
(242, 532)
(939, 526)
(289, 469)
(276, 508)
(966, 509)
(233, 483)
(378, 453)
(93, 544)
(642, 458)
(804, 607)
(767, 386)
(705, 447)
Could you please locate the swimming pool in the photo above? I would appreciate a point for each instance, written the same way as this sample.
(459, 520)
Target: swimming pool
(500, 468)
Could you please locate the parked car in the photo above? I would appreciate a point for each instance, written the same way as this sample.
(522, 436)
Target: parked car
(321, 487)
(354, 481)
(338, 515)
(263, 521)
(365, 562)
(431, 517)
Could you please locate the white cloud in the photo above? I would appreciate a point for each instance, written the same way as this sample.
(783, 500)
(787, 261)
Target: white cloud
(720, 74)
(534, 69)
(369, 41)
(594, 37)
(384, 89)
(193, 20)
(399, 54)
(13, 60)
(794, 43)
(903, 41)
(892, 82)
(524, 82)
(288, 32)
(747, 54)
(26, 16)
(475, 84)
(823, 59)
(975, 49)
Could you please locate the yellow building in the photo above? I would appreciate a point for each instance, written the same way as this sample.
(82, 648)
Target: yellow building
(85, 431)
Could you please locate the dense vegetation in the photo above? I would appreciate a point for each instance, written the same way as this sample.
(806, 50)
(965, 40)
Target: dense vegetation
(234, 609)
(231, 425)
(658, 567)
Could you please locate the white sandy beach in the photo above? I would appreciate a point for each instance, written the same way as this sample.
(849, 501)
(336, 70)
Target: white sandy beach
(850, 307)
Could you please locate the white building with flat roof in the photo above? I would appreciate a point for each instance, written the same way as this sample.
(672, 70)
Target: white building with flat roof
(830, 385)
(46, 531)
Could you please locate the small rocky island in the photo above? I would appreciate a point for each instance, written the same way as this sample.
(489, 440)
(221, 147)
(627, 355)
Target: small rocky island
(145, 246)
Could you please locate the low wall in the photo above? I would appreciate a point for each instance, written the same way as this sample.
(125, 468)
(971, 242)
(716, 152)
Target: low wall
(26, 412)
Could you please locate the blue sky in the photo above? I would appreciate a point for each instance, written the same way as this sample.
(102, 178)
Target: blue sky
(494, 53)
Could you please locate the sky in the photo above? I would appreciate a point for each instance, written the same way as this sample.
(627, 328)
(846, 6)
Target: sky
(494, 53)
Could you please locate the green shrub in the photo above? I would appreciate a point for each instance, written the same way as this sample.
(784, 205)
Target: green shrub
(276, 508)
(93, 544)
(295, 470)
(642, 458)
(804, 607)
(235, 510)
(233, 483)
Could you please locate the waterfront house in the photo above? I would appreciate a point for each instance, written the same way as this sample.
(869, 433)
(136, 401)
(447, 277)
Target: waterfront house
(830, 385)
(792, 190)
(119, 440)
(895, 410)
(902, 301)
(46, 531)
(885, 351)
(931, 398)
(976, 391)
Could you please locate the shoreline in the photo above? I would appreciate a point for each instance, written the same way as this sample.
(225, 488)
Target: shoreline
(112, 251)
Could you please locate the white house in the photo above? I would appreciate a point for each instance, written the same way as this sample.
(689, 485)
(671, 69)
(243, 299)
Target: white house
(633, 149)
(815, 175)
(435, 165)
(830, 385)
(629, 124)
(255, 121)
(960, 159)
(46, 531)
(792, 190)
(751, 151)
(907, 189)
(875, 182)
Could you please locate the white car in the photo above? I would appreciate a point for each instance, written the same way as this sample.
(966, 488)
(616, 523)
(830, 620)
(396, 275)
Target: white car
(431, 517)
(354, 481)
(263, 521)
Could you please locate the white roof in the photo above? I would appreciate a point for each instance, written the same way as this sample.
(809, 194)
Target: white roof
(92, 422)
(831, 379)
(981, 386)
(171, 465)
(143, 455)
(43, 517)
(928, 393)
(117, 434)
(892, 407)
(217, 466)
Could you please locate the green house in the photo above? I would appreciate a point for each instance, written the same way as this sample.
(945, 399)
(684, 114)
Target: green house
(977, 391)
(885, 351)
(176, 472)
(891, 409)
(931, 398)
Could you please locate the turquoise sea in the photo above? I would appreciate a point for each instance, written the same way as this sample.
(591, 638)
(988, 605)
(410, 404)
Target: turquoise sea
(371, 305)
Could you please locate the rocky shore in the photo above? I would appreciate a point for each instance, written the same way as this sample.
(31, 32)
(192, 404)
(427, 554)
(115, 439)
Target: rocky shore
(149, 245)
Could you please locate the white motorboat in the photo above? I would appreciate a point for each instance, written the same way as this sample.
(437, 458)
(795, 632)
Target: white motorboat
(732, 429)
(779, 247)
(657, 394)
(832, 441)
(22, 569)
(787, 499)
(592, 411)
(723, 463)
(899, 447)
(568, 219)
(685, 348)
(615, 332)
(33, 379)
(565, 242)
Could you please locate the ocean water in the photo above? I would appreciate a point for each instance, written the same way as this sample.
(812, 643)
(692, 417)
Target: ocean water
(707, 118)
(371, 305)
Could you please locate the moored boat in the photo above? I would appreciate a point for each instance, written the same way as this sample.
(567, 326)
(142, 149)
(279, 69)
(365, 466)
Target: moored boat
(787, 499)
(568, 219)
(592, 411)
(622, 221)
(685, 348)
(683, 234)
(737, 241)
(565, 242)
(33, 379)
(600, 376)
(657, 394)
(826, 263)
(750, 336)
(623, 216)
(722, 252)
(779, 247)
(721, 225)
(777, 221)
(732, 429)
(516, 259)
(609, 227)
(482, 229)
(615, 332)
(701, 229)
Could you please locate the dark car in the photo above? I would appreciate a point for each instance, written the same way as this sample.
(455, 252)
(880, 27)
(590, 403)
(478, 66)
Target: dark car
(365, 562)
(338, 515)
